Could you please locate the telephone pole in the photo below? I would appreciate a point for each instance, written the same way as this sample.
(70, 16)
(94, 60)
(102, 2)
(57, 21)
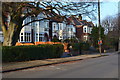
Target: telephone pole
(99, 27)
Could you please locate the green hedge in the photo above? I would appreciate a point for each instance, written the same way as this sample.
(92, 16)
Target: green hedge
(81, 46)
(26, 53)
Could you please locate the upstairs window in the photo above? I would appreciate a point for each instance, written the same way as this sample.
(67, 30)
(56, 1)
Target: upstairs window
(54, 26)
(21, 33)
(71, 29)
(85, 30)
(60, 27)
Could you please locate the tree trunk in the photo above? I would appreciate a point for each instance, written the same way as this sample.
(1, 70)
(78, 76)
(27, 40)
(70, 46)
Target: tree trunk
(11, 35)
(119, 44)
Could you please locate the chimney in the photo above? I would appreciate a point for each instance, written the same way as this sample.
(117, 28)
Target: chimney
(80, 17)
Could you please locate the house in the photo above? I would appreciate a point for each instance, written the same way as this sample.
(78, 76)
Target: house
(87, 28)
(46, 29)
(34, 32)
(71, 30)
(57, 30)
(83, 28)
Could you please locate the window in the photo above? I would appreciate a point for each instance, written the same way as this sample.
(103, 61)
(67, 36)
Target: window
(54, 26)
(68, 29)
(36, 36)
(85, 30)
(60, 36)
(60, 27)
(39, 23)
(71, 29)
(90, 30)
(21, 38)
(85, 38)
(21, 33)
(47, 24)
(40, 38)
(25, 37)
(28, 37)
(40, 34)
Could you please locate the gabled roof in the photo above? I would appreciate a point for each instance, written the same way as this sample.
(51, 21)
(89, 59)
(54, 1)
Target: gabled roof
(83, 22)
(90, 24)
(73, 20)
(77, 21)
(54, 16)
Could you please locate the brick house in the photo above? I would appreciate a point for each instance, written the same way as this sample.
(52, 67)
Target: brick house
(83, 28)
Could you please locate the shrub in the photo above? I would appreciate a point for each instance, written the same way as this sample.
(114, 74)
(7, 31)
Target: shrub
(55, 39)
(26, 53)
(72, 40)
(79, 47)
(85, 46)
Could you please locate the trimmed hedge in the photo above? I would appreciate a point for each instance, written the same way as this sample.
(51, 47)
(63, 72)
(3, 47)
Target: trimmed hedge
(78, 48)
(26, 53)
(81, 46)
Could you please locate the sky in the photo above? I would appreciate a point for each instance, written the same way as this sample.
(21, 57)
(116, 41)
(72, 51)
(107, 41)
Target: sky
(108, 9)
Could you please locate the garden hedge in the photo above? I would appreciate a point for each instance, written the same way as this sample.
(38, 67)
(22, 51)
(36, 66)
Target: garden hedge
(78, 48)
(26, 53)
(81, 46)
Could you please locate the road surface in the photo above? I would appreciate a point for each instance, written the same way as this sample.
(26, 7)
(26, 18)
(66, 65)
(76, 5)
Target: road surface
(102, 67)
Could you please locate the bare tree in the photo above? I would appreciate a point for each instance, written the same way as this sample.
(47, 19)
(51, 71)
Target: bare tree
(112, 28)
(14, 13)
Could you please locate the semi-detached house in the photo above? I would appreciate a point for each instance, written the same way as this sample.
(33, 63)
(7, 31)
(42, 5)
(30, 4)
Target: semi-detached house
(83, 28)
(46, 29)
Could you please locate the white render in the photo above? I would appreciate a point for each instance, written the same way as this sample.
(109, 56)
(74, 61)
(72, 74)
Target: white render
(87, 29)
(70, 31)
(40, 28)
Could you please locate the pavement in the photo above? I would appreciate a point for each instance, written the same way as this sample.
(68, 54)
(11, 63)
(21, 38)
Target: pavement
(14, 66)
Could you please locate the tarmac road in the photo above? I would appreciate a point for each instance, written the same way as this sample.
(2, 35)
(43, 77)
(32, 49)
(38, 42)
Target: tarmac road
(101, 67)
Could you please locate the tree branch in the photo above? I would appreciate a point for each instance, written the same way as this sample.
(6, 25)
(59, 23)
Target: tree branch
(35, 21)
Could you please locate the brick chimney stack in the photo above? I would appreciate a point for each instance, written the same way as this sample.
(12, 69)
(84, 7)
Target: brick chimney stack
(80, 17)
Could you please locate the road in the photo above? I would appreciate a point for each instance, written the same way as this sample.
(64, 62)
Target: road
(102, 67)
